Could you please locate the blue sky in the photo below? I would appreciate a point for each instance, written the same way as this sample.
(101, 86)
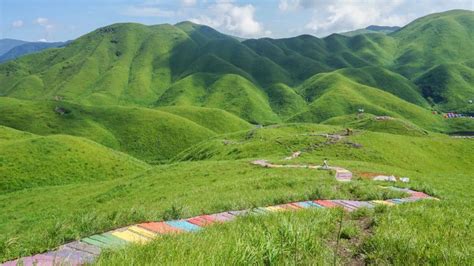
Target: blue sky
(59, 20)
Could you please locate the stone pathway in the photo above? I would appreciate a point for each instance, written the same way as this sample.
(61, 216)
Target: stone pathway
(342, 174)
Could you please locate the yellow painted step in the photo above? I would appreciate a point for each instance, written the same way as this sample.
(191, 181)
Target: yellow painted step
(274, 209)
(142, 231)
(383, 202)
(130, 236)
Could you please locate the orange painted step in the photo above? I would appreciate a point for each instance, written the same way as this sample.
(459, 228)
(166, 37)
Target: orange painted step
(288, 206)
(295, 205)
(160, 228)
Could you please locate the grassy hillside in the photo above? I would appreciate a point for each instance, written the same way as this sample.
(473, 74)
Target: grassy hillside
(434, 39)
(386, 80)
(378, 124)
(37, 221)
(214, 119)
(28, 161)
(147, 134)
(230, 92)
(332, 95)
(449, 86)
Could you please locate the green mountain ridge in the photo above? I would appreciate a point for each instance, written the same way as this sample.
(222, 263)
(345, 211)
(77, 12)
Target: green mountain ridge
(133, 68)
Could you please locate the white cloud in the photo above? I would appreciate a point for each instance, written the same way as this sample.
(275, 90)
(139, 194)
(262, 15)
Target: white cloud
(344, 15)
(18, 23)
(47, 26)
(42, 40)
(42, 21)
(188, 2)
(238, 19)
(147, 11)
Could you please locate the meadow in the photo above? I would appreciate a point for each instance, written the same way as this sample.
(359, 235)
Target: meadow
(36, 219)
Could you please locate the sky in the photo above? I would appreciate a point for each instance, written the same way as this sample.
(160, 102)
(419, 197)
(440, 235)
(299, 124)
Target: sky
(60, 20)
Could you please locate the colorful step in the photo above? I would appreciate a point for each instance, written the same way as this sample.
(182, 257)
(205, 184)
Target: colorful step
(130, 236)
(81, 246)
(160, 228)
(326, 203)
(184, 225)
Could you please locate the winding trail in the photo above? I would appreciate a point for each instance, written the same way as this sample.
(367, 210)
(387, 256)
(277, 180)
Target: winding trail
(88, 249)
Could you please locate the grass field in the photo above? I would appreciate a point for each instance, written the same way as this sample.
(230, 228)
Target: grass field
(33, 220)
(420, 233)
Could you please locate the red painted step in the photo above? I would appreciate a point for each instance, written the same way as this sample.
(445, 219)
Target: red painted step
(200, 221)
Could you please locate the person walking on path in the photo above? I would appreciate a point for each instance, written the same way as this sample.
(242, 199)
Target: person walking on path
(325, 164)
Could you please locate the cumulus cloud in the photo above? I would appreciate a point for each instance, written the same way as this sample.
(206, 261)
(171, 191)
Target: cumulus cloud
(238, 19)
(344, 15)
(42, 21)
(18, 23)
(46, 25)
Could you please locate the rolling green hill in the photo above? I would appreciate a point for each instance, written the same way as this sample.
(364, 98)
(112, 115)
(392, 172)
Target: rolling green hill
(214, 119)
(434, 39)
(332, 94)
(147, 134)
(449, 86)
(28, 160)
(257, 79)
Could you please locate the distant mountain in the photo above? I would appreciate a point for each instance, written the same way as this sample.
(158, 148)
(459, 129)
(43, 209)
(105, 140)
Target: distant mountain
(7, 44)
(263, 81)
(28, 48)
(372, 29)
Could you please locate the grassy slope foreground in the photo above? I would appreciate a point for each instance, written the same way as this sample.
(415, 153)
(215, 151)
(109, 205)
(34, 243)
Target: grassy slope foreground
(414, 234)
(226, 180)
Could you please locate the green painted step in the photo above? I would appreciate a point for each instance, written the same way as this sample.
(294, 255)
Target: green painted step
(109, 240)
(94, 242)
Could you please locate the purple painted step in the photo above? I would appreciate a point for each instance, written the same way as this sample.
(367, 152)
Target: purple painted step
(223, 216)
(84, 247)
(72, 256)
(344, 205)
(358, 204)
(37, 260)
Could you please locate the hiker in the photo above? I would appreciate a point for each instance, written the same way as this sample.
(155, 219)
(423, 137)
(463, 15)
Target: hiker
(348, 131)
(325, 164)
